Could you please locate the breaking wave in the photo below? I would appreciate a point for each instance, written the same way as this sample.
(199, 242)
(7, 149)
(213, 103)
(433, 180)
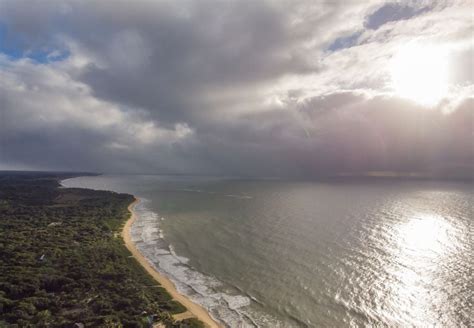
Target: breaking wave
(231, 310)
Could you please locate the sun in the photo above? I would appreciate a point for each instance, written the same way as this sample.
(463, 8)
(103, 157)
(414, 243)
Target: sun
(419, 73)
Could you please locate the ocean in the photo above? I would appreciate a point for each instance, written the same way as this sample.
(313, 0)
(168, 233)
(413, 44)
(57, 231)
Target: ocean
(281, 253)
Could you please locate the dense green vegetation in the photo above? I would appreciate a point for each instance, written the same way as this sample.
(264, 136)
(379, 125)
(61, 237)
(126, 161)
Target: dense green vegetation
(63, 262)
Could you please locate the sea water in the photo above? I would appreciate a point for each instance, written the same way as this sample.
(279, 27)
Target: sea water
(279, 253)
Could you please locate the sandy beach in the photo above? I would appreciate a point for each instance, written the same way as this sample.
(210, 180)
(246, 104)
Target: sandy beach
(193, 310)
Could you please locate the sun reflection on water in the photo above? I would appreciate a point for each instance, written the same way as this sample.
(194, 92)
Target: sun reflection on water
(422, 244)
(424, 235)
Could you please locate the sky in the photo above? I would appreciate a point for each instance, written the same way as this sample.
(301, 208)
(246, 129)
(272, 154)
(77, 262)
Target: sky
(240, 88)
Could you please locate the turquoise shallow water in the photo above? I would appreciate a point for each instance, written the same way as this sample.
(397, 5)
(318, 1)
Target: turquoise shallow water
(310, 254)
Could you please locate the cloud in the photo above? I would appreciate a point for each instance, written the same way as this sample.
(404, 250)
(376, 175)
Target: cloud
(232, 87)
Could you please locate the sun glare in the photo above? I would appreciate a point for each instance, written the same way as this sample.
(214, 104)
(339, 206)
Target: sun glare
(419, 73)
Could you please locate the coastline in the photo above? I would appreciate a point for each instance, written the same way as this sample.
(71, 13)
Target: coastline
(193, 310)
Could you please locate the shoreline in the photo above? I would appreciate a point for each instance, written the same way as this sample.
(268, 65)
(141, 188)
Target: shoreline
(193, 310)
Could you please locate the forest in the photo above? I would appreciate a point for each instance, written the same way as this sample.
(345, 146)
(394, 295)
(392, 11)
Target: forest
(63, 262)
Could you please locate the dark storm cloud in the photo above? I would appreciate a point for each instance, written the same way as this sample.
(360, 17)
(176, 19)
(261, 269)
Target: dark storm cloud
(152, 54)
(228, 87)
(178, 61)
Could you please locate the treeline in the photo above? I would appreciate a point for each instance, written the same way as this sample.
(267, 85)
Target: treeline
(63, 262)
